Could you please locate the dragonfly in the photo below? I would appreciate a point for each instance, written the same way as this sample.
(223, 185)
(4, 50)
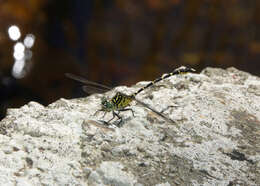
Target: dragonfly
(121, 102)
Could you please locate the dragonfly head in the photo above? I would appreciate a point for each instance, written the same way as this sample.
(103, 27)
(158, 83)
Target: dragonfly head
(106, 105)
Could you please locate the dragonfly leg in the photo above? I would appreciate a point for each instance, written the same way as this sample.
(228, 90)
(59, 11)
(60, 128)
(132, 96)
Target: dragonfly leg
(104, 114)
(115, 114)
(126, 109)
(112, 117)
(100, 111)
(96, 112)
(118, 116)
(108, 122)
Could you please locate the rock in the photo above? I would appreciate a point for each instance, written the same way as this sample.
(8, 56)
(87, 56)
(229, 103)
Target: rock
(212, 136)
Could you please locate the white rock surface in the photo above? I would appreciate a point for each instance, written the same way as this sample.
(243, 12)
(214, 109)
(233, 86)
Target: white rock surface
(215, 139)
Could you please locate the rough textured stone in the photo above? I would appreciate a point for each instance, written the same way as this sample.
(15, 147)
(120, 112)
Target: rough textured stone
(214, 139)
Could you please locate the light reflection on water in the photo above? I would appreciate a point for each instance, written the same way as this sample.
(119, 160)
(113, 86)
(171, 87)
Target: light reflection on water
(21, 53)
(29, 40)
(14, 32)
(18, 69)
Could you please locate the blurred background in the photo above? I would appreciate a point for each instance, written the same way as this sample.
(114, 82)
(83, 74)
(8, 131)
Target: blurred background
(118, 42)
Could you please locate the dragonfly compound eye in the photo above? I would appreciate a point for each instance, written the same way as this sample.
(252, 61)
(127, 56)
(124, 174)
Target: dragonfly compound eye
(105, 102)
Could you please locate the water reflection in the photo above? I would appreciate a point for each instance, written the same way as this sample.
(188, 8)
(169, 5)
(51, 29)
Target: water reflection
(19, 51)
(22, 52)
(18, 69)
(29, 40)
(14, 32)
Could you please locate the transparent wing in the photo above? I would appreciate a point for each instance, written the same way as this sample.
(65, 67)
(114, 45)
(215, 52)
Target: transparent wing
(92, 90)
(90, 86)
(155, 111)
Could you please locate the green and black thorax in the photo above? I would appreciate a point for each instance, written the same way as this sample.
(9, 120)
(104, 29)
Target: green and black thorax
(118, 102)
